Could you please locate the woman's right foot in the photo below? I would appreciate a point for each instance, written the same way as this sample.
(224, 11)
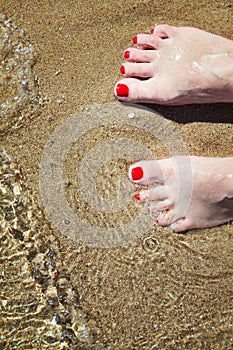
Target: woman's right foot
(177, 66)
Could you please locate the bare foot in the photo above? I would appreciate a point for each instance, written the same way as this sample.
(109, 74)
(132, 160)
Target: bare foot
(190, 192)
(177, 65)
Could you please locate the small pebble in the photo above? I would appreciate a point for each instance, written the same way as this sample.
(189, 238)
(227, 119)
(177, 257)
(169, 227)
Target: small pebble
(131, 115)
(4, 303)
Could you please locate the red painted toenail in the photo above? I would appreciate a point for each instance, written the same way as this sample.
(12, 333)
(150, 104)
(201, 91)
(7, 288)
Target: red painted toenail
(152, 31)
(137, 196)
(137, 173)
(135, 40)
(122, 90)
(122, 70)
(126, 54)
(157, 221)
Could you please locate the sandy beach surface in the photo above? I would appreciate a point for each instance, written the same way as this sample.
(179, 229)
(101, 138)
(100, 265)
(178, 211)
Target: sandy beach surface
(77, 273)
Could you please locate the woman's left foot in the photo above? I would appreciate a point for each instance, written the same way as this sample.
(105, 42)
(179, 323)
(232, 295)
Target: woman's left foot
(191, 192)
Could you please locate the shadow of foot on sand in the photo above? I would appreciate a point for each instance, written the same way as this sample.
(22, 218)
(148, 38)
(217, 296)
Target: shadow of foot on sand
(209, 113)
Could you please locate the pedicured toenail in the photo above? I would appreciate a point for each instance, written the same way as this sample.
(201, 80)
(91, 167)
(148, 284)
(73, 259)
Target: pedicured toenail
(137, 196)
(122, 90)
(152, 31)
(137, 173)
(122, 70)
(135, 40)
(126, 54)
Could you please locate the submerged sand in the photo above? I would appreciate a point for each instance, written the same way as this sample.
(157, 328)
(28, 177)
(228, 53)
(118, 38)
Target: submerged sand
(161, 290)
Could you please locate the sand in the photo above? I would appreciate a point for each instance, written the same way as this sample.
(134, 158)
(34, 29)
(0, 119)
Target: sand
(160, 290)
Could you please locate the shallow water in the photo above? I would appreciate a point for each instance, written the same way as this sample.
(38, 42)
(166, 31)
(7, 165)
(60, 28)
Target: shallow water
(159, 290)
(19, 91)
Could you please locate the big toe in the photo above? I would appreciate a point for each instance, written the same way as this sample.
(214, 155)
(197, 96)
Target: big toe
(136, 90)
(151, 171)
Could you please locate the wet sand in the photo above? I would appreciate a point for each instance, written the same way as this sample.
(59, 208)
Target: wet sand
(161, 291)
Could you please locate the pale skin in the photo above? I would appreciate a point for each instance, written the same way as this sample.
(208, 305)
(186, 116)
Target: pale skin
(181, 65)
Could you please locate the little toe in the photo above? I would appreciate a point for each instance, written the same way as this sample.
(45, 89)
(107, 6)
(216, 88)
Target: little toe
(181, 225)
(148, 41)
(164, 31)
(165, 218)
(157, 193)
(140, 70)
(137, 55)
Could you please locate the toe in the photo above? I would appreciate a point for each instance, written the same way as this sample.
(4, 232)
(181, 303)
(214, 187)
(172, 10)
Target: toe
(140, 70)
(160, 206)
(146, 172)
(147, 41)
(136, 90)
(164, 31)
(137, 55)
(181, 225)
(151, 171)
(165, 218)
(154, 194)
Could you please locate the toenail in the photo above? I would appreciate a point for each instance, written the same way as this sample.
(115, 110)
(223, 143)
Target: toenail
(137, 196)
(122, 70)
(152, 31)
(137, 173)
(135, 39)
(126, 54)
(122, 90)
